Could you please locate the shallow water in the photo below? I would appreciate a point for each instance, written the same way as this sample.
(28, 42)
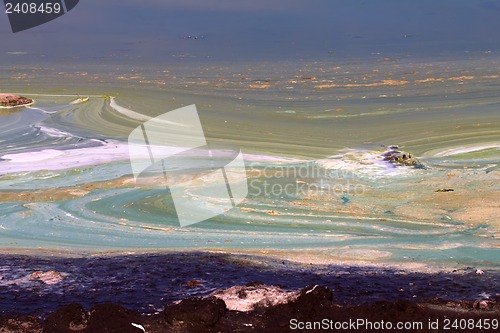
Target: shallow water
(311, 134)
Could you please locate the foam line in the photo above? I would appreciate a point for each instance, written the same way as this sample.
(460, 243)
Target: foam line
(465, 150)
(127, 112)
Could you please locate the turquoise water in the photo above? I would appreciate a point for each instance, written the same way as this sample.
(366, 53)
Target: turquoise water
(312, 134)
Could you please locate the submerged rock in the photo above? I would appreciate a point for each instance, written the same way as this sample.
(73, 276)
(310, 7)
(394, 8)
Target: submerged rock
(50, 277)
(9, 100)
(398, 157)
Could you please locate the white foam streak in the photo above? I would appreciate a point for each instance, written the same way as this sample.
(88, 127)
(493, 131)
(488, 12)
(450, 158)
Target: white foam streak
(129, 113)
(136, 115)
(54, 159)
(107, 152)
(465, 150)
(54, 132)
(33, 156)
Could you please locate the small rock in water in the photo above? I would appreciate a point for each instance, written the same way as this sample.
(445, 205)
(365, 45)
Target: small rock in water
(50, 277)
(194, 283)
(9, 100)
(398, 157)
(482, 304)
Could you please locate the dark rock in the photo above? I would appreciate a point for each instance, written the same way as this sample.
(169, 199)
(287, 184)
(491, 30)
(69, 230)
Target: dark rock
(385, 309)
(103, 318)
(66, 319)
(209, 315)
(20, 324)
(195, 312)
(397, 157)
(316, 293)
(312, 302)
(111, 318)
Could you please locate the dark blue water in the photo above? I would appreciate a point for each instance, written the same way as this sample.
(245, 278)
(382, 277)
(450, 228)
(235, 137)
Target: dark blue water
(156, 31)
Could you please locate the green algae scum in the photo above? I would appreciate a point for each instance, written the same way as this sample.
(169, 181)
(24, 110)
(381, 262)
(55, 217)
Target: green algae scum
(340, 158)
(346, 162)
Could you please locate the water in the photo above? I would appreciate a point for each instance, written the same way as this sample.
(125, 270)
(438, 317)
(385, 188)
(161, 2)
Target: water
(312, 133)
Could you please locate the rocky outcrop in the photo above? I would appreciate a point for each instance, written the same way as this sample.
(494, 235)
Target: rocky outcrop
(254, 295)
(309, 306)
(9, 100)
(50, 277)
(398, 157)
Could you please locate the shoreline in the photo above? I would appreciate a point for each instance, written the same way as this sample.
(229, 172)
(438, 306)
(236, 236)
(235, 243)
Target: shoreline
(266, 257)
(39, 285)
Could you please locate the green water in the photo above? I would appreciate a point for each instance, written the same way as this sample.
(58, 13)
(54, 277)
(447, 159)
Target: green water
(316, 129)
